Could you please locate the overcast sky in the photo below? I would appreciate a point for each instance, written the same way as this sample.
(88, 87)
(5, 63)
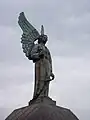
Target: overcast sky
(67, 24)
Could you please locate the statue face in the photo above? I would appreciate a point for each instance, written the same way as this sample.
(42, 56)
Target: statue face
(43, 39)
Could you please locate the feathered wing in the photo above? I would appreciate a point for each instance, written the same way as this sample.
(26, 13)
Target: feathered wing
(30, 34)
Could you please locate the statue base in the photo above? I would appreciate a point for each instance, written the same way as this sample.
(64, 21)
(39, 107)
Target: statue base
(44, 100)
(42, 109)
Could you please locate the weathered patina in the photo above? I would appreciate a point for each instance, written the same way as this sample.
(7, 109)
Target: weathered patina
(39, 54)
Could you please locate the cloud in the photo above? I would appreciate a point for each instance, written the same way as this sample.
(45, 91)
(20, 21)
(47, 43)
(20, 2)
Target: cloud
(68, 27)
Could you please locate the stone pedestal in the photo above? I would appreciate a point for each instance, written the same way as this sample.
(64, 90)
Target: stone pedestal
(42, 109)
(44, 100)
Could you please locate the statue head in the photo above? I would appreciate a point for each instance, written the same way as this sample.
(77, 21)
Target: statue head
(42, 38)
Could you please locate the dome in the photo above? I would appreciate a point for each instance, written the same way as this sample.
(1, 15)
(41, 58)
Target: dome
(42, 111)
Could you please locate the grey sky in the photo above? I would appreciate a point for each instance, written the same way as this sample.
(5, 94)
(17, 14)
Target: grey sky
(67, 23)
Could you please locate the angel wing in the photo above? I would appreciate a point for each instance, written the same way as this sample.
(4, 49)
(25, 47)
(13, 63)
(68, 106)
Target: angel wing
(30, 34)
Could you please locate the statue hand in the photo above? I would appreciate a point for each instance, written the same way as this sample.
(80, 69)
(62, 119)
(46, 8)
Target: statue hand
(53, 76)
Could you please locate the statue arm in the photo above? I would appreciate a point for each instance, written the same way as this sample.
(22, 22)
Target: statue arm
(37, 52)
(52, 75)
(49, 58)
(34, 55)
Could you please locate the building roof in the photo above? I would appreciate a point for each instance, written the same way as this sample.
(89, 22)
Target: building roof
(42, 111)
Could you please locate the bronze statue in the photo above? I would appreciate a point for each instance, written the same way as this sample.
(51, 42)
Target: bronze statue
(39, 54)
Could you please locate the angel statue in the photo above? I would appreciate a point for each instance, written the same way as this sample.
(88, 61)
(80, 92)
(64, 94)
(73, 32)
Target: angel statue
(39, 54)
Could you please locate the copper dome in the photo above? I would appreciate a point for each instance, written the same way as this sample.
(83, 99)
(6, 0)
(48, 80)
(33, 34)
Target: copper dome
(42, 111)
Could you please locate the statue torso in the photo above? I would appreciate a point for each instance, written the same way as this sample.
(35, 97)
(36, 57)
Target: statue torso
(39, 51)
